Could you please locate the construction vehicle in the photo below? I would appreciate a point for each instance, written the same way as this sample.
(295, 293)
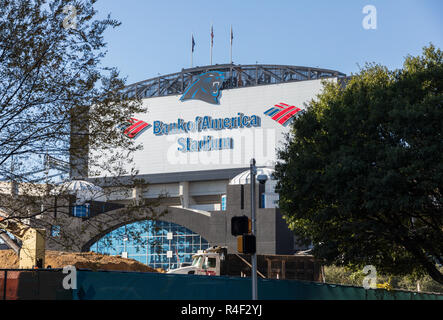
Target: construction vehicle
(216, 261)
(207, 262)
(32, 251)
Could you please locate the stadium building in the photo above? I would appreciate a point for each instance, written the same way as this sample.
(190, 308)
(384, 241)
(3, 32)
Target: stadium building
(201, 129)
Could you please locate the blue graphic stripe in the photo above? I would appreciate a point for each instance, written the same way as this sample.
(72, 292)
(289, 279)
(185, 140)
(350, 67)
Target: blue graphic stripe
(194, 94)
(272, 111)
(269, 111)
(189, 88)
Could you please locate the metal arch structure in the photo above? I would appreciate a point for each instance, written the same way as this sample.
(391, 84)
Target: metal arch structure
(236, 76)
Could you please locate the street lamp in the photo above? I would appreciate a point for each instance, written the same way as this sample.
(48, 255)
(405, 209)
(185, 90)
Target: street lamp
(253, 173)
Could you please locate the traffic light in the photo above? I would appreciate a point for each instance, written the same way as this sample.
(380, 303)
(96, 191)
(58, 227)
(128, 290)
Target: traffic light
(240, 225)
(246, 244)
(242, 228)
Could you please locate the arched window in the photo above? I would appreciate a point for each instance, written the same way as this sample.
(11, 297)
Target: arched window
(158, 244)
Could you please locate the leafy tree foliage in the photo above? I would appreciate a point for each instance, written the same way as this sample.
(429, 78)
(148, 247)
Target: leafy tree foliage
(342, 275)
(51, 75)
(362, 170)
(58, 99)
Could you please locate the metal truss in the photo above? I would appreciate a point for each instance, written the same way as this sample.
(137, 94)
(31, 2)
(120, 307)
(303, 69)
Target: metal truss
(236, 76)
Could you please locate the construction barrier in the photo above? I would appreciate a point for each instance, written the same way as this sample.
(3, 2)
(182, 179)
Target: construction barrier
(47, 284)
(42, 284)
(154, 286)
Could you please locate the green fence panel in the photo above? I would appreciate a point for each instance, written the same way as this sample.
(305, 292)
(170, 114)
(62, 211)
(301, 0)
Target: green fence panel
(109, 285)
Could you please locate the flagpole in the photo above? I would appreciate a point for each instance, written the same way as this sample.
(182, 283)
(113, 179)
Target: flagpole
(192, 48)
(231, 43)
(212, 35)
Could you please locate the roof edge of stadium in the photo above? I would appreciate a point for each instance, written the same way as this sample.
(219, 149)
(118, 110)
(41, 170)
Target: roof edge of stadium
(237, 76)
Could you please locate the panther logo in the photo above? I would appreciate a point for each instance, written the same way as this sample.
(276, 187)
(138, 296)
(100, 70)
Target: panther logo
(205, 88)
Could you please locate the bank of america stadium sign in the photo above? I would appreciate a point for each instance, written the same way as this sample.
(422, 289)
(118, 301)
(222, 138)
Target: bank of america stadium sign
(281, 113)
(205, 123)
(207, 88)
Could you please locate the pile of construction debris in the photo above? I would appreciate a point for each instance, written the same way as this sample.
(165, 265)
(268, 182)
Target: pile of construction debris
(84, 260)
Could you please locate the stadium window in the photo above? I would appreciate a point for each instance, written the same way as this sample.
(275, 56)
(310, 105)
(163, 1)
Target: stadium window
(261, 192)
(223, 202)
(55, 231)
(82, 211)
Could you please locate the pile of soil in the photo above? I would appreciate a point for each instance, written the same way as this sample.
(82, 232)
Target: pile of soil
(84, 260)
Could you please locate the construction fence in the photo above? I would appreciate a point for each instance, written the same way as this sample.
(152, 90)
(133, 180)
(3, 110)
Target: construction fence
(110, 285)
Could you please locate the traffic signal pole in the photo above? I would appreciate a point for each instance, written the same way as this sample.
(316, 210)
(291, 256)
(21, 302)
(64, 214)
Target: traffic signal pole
(253, 173)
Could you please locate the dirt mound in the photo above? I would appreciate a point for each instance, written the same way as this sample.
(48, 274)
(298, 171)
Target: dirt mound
(85, 260)
(8, 259)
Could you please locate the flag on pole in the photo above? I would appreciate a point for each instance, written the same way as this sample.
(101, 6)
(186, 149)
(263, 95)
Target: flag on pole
(192, 47)
(232, 37)
(212, 43)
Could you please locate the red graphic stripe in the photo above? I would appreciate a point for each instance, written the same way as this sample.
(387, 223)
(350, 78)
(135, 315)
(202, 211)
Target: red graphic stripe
(138, 129)
(281, 113)
(284, 104)
(132, 131)
(132, 127)
(132, 134)
(288, 115)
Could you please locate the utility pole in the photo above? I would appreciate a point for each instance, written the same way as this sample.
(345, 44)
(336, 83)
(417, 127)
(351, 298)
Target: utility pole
(253, 173)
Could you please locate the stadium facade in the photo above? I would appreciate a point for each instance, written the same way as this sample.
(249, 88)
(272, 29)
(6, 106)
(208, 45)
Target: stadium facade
(201, 129)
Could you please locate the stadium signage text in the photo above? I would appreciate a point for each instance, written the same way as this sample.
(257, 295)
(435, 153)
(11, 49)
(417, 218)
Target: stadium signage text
(206, 123)
(208, 143)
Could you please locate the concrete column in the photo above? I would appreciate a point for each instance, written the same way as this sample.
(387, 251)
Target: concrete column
(14, 188)
(183, 190)
(136, 194)
(79, 142)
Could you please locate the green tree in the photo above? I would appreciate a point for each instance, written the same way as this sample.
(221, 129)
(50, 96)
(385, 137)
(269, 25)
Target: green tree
(58, 100)
(343, 275)
(361, 173)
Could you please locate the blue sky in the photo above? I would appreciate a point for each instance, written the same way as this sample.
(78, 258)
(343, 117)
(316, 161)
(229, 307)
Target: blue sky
(155, 36)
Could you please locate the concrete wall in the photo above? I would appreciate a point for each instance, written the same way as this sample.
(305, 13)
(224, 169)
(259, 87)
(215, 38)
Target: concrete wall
(78, 234)
(273, 237)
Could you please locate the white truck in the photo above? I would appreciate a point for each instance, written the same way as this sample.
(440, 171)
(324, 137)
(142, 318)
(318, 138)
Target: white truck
(216, 261)
(206, 263)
